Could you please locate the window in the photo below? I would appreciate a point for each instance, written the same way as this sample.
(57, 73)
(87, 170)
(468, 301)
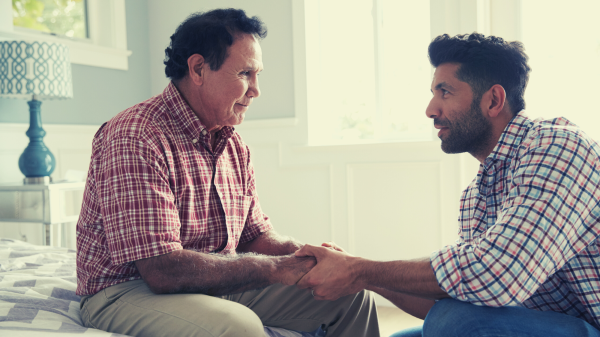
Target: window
(58, 17)
(565, 61)
(106, 42)
(368, 76)
(367, 70)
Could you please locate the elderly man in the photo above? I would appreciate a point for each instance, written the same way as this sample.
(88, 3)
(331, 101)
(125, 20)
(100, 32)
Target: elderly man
(527, 261)
(171, 239)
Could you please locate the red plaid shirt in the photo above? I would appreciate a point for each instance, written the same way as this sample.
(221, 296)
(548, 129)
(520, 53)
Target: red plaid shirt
(529, 224)
(155, 186)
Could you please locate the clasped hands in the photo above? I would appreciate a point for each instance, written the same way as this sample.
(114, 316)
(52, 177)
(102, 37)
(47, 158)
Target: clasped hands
(336, 273)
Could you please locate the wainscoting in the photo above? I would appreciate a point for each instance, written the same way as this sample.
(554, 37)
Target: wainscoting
(380, 201)
(70, 144)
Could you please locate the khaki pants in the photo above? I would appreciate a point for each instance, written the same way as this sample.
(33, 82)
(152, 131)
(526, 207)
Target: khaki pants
(131, 308)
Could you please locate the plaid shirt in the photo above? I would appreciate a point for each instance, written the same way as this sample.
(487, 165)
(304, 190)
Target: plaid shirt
(528, 224)
(155, 186)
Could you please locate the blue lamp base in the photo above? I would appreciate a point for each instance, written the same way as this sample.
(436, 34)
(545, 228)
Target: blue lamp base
(37, 162)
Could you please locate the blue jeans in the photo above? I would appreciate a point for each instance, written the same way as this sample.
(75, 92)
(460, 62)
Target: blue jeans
(452, 318)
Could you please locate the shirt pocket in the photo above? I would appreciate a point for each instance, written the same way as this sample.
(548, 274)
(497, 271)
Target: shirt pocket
(236, 214)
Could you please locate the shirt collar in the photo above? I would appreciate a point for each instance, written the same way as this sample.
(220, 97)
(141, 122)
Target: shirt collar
(186, 118)
(510, 140)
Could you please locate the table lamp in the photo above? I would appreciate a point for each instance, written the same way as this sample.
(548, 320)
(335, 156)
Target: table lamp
(36, 70)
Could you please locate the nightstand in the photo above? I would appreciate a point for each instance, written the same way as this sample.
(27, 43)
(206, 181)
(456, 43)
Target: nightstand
(51, 205)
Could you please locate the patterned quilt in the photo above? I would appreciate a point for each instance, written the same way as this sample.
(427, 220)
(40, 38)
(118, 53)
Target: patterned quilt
(37, 294)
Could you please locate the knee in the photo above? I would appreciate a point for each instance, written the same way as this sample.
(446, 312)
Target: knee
(448, 317)
(242, 322)
(362, 300)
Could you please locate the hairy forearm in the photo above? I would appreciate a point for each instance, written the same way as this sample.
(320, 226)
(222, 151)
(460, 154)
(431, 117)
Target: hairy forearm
(186, 271)
(270, 243)
(415, 306)
(415, 277)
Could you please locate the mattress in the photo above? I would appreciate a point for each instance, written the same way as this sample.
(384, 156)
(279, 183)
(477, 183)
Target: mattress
(37, 294)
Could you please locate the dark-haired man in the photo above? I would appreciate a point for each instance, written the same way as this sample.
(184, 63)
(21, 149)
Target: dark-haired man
(526, 262)
(171, 238)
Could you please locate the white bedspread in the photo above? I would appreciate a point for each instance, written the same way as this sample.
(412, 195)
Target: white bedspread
(37, 294)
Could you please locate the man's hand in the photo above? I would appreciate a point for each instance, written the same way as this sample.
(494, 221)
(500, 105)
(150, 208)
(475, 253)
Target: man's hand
(335, 275)
(290, 269)
(333, 246)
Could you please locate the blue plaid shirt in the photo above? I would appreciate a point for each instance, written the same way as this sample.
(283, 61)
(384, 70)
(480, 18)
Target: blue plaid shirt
(529, 223)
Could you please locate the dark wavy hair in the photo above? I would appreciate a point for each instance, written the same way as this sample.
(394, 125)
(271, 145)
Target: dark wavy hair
(209, 34)
(485, 61)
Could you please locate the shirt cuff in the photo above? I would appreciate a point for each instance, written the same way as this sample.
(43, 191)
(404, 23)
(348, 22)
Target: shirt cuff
(446, 267)
(131, 254)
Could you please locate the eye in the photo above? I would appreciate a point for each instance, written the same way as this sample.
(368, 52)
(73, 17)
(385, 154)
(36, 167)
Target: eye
(245, 73)
(444, 91)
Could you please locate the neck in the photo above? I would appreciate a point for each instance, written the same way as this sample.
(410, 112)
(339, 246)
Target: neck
(485, 149)
(498, 126)
(195, 103)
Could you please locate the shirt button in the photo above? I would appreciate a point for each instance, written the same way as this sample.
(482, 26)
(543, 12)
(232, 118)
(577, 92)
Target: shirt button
(194, 140)
(204, 132)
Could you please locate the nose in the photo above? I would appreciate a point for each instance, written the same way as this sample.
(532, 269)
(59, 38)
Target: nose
(253, 89)
(432, 110)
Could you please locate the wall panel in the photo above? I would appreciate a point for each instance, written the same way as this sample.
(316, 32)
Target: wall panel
(380, 201)
(295, 197)
(393, 213)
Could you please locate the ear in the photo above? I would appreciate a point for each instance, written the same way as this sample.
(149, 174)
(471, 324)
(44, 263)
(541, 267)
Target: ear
(196, 68)
(493, 100)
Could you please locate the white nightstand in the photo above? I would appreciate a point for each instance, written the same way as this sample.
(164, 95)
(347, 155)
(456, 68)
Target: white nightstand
(52, 205)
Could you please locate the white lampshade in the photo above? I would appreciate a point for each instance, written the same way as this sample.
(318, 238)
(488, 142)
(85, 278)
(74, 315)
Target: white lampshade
(35, 68)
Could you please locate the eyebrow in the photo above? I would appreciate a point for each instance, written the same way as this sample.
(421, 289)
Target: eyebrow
(252, 65)
(443, 85)
(252, 68)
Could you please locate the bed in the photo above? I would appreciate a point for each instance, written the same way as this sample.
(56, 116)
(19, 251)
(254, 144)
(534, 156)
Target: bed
(37, 294)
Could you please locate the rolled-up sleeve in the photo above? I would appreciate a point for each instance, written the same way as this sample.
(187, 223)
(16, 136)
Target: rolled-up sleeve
(551, 214)
(137, 204)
